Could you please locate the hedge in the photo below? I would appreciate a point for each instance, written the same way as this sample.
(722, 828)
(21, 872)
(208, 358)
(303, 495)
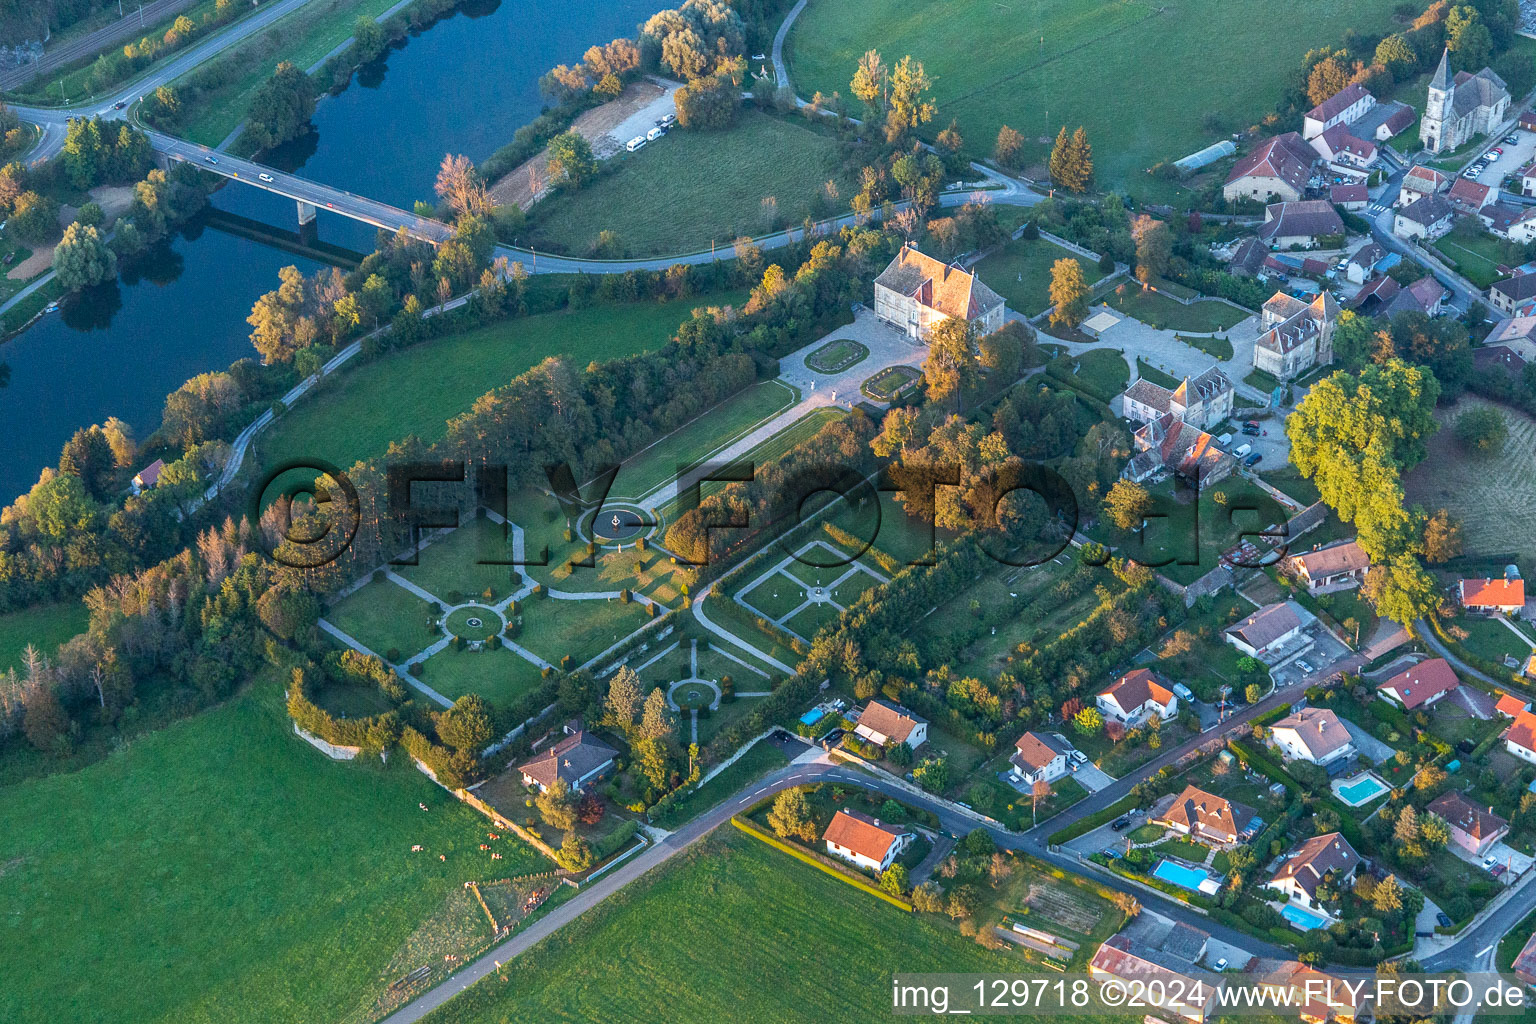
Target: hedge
(1087, 824)
(858, 883)
(614, 841)
(374, 732)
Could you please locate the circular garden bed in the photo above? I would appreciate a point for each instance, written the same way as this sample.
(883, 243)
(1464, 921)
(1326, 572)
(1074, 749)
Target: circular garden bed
(474, 622)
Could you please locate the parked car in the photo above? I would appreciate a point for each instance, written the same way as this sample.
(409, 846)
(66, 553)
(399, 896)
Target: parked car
(1511, 139)
(1224, 439)
(1254, 459)
(1443, 920)
(1251, 429)
(1120, 824)
(1221, 963)
(1305, 667)
(1496, 152)
(1489, 862)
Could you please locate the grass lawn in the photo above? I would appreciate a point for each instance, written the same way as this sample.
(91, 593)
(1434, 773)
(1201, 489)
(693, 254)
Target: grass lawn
(1469, 486)
(890, 382)
(222, 870)
(358, 412)
(582, 629)
(450, 567)
(1021, 272)
(701, 437)
(44, 626)
(762, 758)
(811, 620)
(854, 587)
(683, 191)
(1102, 372)
(1221, 348)
(755, 907)
(776, 596)
(1156, 376)
(384, 615)
(497, 674)
(837, 355)
(302, 38)
(1163, 313)
(1491, 639)
(1119, 69)
(1289, 480)
(1476, 255)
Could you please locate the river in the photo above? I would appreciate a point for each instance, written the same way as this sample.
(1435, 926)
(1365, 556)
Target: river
(463, 85)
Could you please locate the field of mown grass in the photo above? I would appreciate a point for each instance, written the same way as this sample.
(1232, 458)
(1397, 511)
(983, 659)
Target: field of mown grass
(731, 930)
(1021, 272)
(43, 626)
(1140, 76)
(689, 188)
(1494, 496)
(221, 870)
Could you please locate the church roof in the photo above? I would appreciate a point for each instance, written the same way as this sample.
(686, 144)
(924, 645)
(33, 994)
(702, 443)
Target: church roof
(1442, 79)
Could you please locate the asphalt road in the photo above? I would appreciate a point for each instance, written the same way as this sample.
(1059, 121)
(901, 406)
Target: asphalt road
(132, 25)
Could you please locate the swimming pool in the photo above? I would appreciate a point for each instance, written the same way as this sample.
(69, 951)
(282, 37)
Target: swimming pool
(1361, 789)
(1192, 879)
(1303, 919)
(812, 716)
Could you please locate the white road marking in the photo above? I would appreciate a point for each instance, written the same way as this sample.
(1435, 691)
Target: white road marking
(1484, 952)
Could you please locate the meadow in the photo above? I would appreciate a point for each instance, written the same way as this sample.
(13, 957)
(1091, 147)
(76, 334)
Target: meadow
(1021, 272)
(220, 869)
(691, 188)
(44, 626)
(1150, 82)
(1494, 495)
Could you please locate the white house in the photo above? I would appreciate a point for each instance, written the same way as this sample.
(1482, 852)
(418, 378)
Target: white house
(1314, 735)
(1299, 223)
(147, 477)
(1277, 168)
(1136, 697)
(1344, 107)
(1312, 862)
(1338, 566)
(887, 724)
(1297, 335)
(916, 291)
(1520, 739)
(860, 839)
(1207, 817)
(578, 759)
(1506, 596)
(1420, 686)
(1427, 218)
(1202, 401)
(1040, 757)
(1419, 182)
(1266, 631)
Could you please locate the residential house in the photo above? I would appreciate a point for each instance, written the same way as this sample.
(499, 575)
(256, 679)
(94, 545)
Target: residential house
(1137, 696)
(1345, 152)
(578, 759)
(1522, 228)
(1384, 120)
(1512, 295)
(1376, 297)
(146, 478)
(1297, 336)
(1511, 706)
(1520, 737)
(1207, 817)
(1468, 197)
(1427, 218)
(1525, 960)
(1248, 258)
(1506, 596)
(1528, 120)
(1349, 197)
(1362, 264)
(915, 292)
(1202, 401)
(1500, 216)
(1338, 566)
(1265, 632)
(1420, 686)
(860, 839)
(1314, 735)
(1168, 444)
(1420, 182)
(1422, 296)
(1302, 223)
(1277, 168)
(1169, 982)
(1319, 998)
(1310, 864)
(1511, 344)
(1472, 828)
(888, 724)
(1343, 108)
(1461, 107)
(1040, 757)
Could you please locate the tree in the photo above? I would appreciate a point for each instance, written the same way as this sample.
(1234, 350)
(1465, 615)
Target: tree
(653, 760)
(871, 82)
(1154, 249)
(623, 702)
(932, 774)
(34, 218)
(1254, 693)
(790, 815)
(1407, 828)
(570, 159)
(557, 805)
(281, 108)
(120, 437)
(82, 258)
(1394, 54)
(964, 900)
(459, 184)
(1008, 146)
(710, 103)
(1442, 538)
(1088, 721)
(894, 880)
(910, 106)
(467, 725)
(575, 853)
(928, 898)
(1482, 430)
(88, 455)
(1127, 505)
(1071, 162)
(44, 721)
(950, 369)
(1327, 77)
(290, 612)
(1388, 895)
(84, 156)
(657, 722)
(1069, 293)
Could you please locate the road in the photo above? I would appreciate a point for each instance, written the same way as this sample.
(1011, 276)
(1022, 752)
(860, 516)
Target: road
(131, 26)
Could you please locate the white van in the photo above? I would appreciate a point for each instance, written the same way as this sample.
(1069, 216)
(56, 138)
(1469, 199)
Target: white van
(1224, 439)
(654, 134)
(635, 143)
(1243, 449)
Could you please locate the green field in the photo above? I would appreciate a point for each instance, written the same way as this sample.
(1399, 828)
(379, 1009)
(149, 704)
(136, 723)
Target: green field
(776, 596)
(384, 615)
(452, 567)
(1476, 255)
(1165, 314)
(582, 629)
(500, 676)
(701, 437)
(890, 382)
(693, 188)
(301, 38)
(731, 930)
(44, 626)
(220, 869)
(811, 619)
(1141, 77)
(358, 412)
(1021, 272)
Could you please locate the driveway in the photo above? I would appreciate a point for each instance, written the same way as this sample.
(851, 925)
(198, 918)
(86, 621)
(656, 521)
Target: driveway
(1092, 778)
(1371, 749)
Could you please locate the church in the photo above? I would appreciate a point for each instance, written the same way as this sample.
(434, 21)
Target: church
(1461, 107)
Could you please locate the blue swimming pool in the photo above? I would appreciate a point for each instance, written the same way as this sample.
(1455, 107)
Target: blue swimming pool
(812, 716)
(1303, 919)
(1179, 874)
(1361, 789)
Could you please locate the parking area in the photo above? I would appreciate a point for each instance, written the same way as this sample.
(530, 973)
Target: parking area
(1514, 863)
(1105, 836)
(1515, 156)
(1371, 749)
(1316, 659)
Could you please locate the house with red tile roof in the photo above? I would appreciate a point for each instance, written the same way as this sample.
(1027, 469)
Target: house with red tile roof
(1344, 151)
(888, 724)
(1137, 696)
(1511, 706)
(1520, 737)
(1349, 197)
(1206, 816)
(1344, 107)
(1421, 685)
(1277, 168)
(1171, 983)
(1472, 828)
(1489, 596)
(1525, 960)
(1299, 223)
(1468, 197)
(1040, 757)
(915, 292)
(148, 477)
(860, 839)
(1420, 182)
(1338, 566)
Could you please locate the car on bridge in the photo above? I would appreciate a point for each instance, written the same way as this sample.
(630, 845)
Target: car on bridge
(210, 159)
(264, 176)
